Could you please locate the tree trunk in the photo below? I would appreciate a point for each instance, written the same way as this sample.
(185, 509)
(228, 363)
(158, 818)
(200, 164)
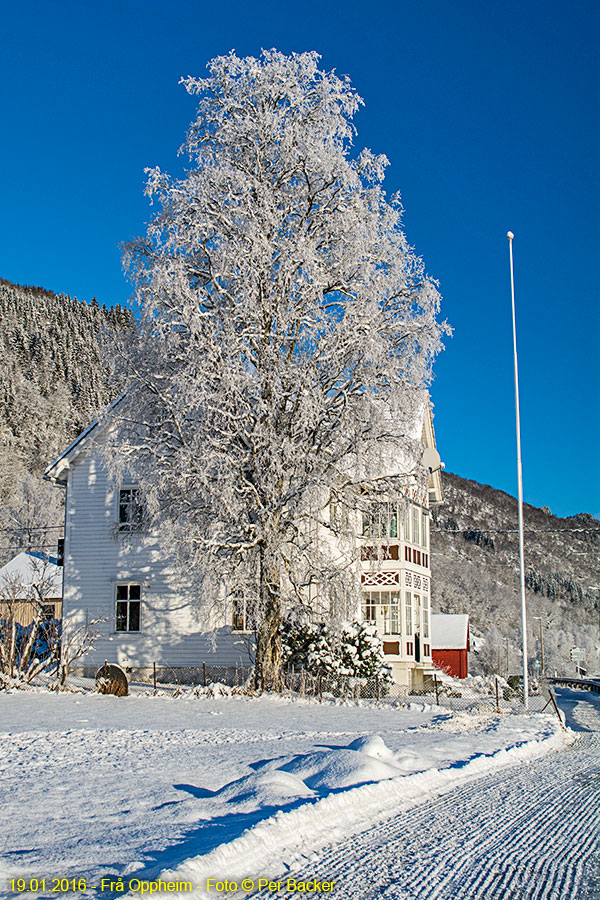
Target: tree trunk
(267, 670)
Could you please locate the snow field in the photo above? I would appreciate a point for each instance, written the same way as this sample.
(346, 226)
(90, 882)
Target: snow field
(139, 786)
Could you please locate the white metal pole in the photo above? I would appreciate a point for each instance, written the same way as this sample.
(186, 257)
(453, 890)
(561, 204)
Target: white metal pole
(510, 237)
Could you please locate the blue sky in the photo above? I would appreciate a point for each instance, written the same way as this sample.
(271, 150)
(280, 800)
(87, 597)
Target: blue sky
(488, 114)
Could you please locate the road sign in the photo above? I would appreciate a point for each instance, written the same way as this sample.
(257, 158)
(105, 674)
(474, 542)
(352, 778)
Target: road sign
(577, 654)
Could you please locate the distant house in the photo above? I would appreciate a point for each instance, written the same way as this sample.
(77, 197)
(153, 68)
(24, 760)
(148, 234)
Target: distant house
(117, 571)
(450, 644)
(31, 585)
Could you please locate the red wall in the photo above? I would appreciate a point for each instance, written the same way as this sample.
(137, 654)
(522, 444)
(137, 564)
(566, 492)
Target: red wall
(454, 662)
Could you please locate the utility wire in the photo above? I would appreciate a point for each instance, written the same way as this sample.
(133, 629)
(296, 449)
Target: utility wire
(512, 530)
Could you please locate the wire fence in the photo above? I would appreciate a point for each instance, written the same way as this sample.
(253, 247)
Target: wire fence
(474, 695)
(489, 695)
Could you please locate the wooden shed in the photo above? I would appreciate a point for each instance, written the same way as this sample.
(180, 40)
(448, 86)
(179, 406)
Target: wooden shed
(450, 644)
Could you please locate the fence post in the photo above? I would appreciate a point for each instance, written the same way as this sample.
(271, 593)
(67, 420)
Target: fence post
(556, 710)
(435, 687)
(320, 687)
(204, 674)
(497, 697)
(302, 686)
(154, 674)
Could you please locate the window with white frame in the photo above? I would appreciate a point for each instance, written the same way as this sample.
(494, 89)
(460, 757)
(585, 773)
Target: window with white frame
(383, 609)
(408, 612)
(425, 614)
(424, 529)
(380, 520)
(241, 619)
(128, 607)
(130, 508)
(416, 523)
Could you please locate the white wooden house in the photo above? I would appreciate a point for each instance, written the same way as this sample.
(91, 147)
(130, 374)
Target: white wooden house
(117, 573)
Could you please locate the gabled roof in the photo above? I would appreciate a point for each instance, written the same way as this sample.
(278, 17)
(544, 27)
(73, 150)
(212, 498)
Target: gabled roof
(428, 438)
(27, 569)
(449, 632)
(56, 471)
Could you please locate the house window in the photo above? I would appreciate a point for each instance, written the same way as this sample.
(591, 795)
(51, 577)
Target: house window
(416, 521)
(241, 616)
(380, 520)
(407, 554)
(426, 650)
(383, 609)
(408, 612)
(130, 509)
(425, 611)
(368, 607)
(424, 529)
(409, 648)
(417, 557)
(128, 607)
(47, 612)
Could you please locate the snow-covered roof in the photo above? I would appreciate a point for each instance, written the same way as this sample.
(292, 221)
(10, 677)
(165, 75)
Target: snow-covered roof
(27, 569)
(449, 632)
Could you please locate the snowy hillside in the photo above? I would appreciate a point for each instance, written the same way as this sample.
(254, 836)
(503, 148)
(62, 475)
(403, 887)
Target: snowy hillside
(475, 570)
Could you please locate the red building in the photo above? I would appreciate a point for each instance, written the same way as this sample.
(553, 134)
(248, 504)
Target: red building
(450, 644)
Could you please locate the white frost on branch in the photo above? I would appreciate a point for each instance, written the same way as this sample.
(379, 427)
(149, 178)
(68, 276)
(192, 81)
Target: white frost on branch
(287, 330)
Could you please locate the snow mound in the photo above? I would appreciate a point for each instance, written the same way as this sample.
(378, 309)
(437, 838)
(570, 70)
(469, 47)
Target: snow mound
(264, 788)
(365, 760)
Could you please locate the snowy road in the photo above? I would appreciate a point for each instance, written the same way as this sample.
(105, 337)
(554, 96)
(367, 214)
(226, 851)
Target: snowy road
(532, 831)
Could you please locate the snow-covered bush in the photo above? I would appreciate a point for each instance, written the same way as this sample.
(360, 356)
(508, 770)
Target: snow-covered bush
(356, 651)
(362, 652)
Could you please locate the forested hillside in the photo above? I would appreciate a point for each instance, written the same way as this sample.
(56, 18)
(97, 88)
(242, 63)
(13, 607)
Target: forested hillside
(475, 569)
(52, 384)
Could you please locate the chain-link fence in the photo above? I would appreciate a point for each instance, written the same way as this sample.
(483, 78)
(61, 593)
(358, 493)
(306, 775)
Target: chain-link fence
(491, 694)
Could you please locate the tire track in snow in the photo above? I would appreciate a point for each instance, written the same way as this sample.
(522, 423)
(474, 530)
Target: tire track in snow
(528, 833)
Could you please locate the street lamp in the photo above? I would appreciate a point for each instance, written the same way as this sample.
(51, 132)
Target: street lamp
(510, 237)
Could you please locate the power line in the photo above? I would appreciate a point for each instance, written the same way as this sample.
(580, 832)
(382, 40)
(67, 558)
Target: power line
(33, 528)
(29, 549)
(512, 530)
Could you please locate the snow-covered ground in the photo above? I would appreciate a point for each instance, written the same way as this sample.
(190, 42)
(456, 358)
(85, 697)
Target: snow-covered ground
(191, 788)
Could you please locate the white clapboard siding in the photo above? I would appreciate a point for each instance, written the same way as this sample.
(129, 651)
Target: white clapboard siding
(174, 631)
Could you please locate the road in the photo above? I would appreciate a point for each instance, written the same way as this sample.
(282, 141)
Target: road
(531, 832)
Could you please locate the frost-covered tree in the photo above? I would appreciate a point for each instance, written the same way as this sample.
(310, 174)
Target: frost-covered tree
(362, 651)
(287, 330)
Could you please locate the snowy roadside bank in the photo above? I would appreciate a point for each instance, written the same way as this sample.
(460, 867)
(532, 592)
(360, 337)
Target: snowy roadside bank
(134, 787)
(270, 848)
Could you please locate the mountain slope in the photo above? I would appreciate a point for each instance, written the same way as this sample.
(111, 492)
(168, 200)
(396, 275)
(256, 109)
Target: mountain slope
(475, 569)
(53, 382)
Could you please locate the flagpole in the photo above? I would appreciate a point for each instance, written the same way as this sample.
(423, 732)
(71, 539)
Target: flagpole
(510, 237)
